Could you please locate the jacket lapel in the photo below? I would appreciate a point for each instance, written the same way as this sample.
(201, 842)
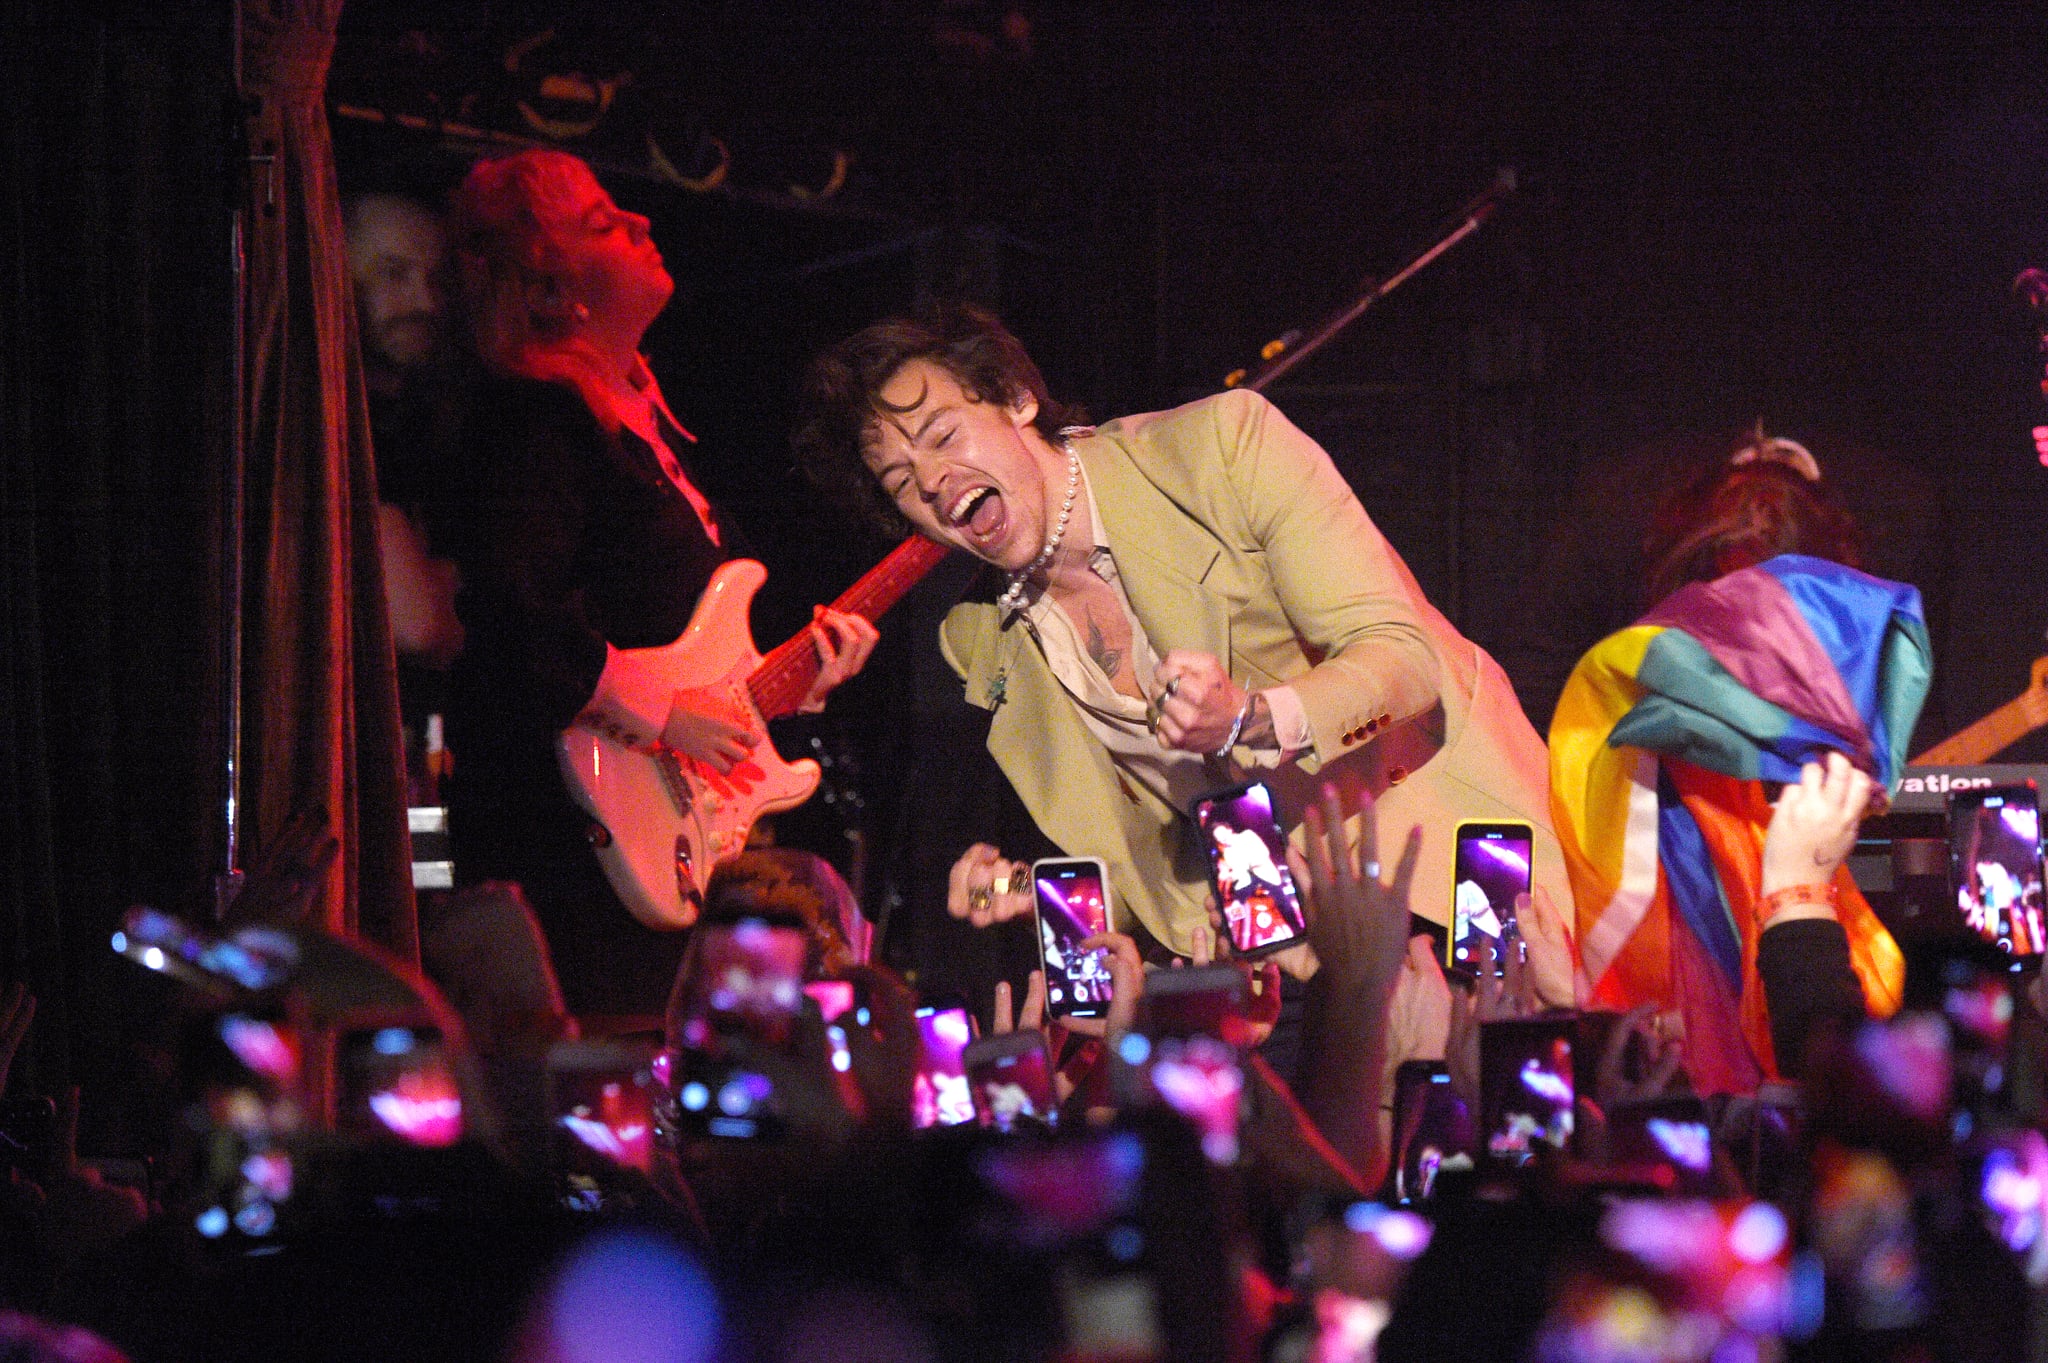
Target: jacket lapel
(1174, 571)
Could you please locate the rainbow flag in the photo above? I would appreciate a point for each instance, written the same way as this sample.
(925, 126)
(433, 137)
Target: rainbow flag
(1658, 751)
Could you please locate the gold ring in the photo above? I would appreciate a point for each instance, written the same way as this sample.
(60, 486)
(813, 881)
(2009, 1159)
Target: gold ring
(979, 898)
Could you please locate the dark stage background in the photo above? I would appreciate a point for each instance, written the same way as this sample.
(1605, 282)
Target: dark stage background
(1731, 212)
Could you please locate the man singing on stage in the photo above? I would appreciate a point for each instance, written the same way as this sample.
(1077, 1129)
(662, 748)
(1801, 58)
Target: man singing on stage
(1182, 600)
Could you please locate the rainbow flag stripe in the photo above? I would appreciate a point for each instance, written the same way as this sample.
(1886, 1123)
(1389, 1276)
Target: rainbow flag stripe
(1658, 751)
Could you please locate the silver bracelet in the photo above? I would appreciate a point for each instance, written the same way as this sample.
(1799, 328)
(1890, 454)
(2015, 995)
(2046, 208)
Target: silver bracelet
(1237, 725)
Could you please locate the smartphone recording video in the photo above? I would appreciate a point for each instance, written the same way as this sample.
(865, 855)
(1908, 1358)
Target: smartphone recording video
(1197, 1075)
(1011, 1080)
(1525, 1087)
(744, 977)
(1191, 1000)
(1670, 1137)
(1432, 1129)
(1491, 870)
(601, 1096)
(1073, 905)
(398, 1081)
(1995, 865)
(940, 1095)
(1248, 867)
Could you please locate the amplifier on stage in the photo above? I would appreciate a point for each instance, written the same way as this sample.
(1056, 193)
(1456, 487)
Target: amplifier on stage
(431, 867)
(1901, 856)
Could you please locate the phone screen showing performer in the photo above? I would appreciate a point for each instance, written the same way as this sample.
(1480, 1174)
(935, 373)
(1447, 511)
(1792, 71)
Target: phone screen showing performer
(940, 1095)
(1491, 870)
(1432, 1129)
(1073, 905)
(602, 1096)
(1248, 866)
(1011, 1077)
(1525, 1086)
(1669, 1137)
(1994, 845)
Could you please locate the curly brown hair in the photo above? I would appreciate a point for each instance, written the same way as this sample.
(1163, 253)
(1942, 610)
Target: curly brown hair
(1736, 517)
(841, 398)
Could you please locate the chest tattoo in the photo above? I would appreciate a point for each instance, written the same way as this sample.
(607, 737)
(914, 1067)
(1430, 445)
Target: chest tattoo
(1106, 657)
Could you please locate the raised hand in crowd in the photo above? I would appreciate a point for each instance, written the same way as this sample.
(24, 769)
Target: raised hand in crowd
(83, 1213)
(1499, 993)
(886, 1055)
(1658, 1056)
(1358, 925)
(1662, 1054)
(1812, 829)
(985, 887)
(1126, 984)
(1802, 958)
(1259, 1012)
(17, 1011)
(1026, 1018)
(1029, 1018)
(76, 1212)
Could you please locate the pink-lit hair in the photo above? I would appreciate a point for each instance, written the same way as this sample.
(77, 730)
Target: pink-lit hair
(510, 223)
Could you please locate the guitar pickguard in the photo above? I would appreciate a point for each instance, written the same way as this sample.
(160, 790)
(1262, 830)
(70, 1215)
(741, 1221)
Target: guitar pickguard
(669, 817)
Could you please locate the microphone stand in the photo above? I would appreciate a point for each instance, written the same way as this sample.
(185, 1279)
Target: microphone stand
(1279, 356)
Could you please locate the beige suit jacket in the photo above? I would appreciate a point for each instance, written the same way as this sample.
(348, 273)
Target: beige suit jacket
(1236, 536)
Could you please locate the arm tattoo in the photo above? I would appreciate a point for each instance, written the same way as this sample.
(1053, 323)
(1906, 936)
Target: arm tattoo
(1105, 657)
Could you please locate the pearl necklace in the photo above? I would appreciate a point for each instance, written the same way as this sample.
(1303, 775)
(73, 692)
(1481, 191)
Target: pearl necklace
(1013, 593)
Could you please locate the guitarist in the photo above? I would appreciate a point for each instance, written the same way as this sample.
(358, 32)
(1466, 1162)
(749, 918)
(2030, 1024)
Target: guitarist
(583, 535)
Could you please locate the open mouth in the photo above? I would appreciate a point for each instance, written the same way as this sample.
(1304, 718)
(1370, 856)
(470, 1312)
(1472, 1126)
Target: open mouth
(980, 513)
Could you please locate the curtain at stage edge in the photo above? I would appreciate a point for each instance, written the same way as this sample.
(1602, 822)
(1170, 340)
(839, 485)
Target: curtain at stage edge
(320, 704)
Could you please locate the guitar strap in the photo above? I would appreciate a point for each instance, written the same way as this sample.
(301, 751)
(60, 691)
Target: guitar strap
(658, 428)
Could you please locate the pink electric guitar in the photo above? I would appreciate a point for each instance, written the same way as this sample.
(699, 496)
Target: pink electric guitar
(664, 821)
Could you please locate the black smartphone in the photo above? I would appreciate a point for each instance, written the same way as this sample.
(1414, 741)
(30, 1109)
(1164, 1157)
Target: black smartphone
(1075, 1208)
(28, 1134)
(1073, 905)
(1432, 1129)
(1490, 870)
(940, 1095)
(397, 1080)
(601, 1097)
(742, 977)
(1198, 1075)
(1189, 1000)
(251, 959)
(1526, 1086)
(1971, 984)
(1994, 852)
(1011, 1079)
(717, 1096)
(1670, 1137)
(1248, 868)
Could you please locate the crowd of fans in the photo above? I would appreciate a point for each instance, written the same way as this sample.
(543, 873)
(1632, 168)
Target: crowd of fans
(499, 1191)
(1327, 1152)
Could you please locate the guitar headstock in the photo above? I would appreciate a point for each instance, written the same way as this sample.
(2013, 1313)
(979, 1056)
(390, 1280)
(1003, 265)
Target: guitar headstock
(2036, 697)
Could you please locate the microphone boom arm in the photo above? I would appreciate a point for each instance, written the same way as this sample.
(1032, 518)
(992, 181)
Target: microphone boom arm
(1278, 357)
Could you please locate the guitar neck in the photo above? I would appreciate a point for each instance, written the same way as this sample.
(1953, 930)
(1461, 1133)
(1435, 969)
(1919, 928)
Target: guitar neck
(779, 685)
(1982, 741)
